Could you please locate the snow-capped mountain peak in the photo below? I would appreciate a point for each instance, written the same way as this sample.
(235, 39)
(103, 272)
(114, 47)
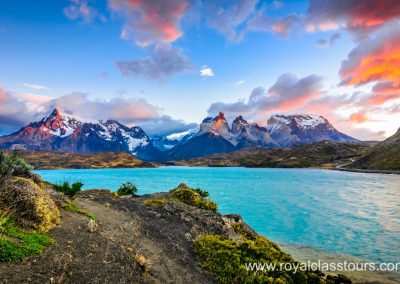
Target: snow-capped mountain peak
(60, 125)
(290, 130)
(67, 133)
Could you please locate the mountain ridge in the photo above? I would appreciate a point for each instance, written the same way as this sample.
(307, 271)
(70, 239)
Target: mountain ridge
(61, 132)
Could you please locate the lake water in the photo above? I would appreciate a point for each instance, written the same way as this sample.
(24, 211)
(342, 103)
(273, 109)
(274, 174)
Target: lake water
(340, 212)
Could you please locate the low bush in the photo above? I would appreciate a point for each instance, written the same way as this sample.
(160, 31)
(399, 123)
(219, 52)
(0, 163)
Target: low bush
(16, 244)
(127, 188)
(14, 165)
(225, 260)
(30, 204)
(155, 202)
(72, 207)
(69, 190)
(193, 197)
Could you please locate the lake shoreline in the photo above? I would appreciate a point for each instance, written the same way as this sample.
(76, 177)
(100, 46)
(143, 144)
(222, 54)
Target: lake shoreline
(385, 172)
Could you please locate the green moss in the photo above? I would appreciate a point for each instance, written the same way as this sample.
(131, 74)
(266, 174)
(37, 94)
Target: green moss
(193, 197)
(72, 207)
(154, 202)
(225, 260)
(16, 244)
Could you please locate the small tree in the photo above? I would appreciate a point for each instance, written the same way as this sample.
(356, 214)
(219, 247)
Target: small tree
(67, 189)
(127, 188)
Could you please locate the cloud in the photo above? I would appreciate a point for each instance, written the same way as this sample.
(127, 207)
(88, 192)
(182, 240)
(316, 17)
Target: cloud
(286, 24)
(358, 16)
(164, 62)
(260, 22)
(206, 71)
(288, 93)
(376, 60)
(150, 22)
(102, 75)
(328, 42)
(359, 117)
(17, 110)
(36, 87)
(237, 83)
(229, 17)
(373, 59)
(81, 10)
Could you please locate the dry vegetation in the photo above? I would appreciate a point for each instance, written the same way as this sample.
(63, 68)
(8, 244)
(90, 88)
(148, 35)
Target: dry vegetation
(62, 160)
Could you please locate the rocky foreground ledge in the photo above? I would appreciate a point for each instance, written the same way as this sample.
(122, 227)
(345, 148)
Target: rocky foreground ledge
(157, 238)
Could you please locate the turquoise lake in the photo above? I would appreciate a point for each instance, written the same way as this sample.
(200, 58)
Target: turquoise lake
(340, 212)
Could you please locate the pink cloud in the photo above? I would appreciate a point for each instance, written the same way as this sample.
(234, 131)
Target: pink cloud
(358, 16)
(150, 22)
(81, 10)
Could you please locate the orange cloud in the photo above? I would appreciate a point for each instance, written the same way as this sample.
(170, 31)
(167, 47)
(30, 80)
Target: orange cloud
(150, 22)
(373, 60)
(376, 59)
(359, 117)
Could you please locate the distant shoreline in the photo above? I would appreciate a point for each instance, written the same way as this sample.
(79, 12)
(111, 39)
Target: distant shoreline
(386, 172)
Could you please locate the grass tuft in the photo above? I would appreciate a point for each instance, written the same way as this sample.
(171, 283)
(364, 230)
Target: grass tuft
(155, 202)
(72, 207)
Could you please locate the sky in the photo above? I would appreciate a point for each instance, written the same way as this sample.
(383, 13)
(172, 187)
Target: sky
(166, 65)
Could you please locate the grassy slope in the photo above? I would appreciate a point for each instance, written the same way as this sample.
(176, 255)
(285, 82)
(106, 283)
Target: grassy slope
(62, 160)
(322, 154)
(383, 156)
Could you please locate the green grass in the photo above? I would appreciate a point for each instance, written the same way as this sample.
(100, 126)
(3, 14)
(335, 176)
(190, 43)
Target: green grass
(225, 260)
(155, 202)
(72, 207)
(16, 244)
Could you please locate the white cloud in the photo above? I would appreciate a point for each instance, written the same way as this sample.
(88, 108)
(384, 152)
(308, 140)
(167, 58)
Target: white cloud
(36, 87)
(238, 83)
(206, 72)
(17, 110)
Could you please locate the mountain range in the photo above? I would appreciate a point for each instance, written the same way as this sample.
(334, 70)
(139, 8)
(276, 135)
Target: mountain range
(60, 132)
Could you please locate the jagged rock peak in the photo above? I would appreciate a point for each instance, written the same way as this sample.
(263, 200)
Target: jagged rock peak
(221, 115)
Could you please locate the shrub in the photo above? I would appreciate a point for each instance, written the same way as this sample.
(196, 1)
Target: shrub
(193, 197)
(225, 260)
(72, 207)
(154, 202)
(127, 188)
(67, 189)
(14, 165)
(30, 204)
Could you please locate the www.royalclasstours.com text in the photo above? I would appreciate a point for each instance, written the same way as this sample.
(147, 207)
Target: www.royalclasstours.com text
(322, 266)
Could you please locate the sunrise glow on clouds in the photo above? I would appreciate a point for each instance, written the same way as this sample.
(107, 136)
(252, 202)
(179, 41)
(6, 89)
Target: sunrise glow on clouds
(158, 54)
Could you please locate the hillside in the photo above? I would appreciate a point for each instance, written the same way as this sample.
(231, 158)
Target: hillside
(320, 154)
(384, 156)
(46, 160)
